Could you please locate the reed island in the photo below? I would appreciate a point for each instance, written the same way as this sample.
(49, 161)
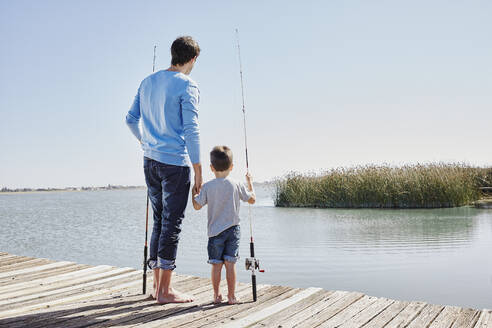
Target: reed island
(384, 186)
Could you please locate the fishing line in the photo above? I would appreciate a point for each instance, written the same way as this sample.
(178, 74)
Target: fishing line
(252, 263)
(144, 281)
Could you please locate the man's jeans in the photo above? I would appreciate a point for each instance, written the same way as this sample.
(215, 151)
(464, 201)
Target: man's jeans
(168, 188)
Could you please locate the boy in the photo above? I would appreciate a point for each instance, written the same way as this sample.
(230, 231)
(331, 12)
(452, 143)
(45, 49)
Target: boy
(222, 196)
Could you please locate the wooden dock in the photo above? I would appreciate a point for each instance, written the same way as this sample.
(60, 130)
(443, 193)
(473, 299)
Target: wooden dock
(44, 293)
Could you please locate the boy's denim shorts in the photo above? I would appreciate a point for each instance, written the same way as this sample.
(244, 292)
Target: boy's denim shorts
(224, 246)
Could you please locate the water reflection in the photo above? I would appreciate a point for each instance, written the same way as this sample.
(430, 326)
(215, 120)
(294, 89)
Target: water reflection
(438, 255)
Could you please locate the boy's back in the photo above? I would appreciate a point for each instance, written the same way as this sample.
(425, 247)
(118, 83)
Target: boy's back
(223, 197)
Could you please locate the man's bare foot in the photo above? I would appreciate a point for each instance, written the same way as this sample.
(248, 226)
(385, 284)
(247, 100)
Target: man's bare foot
(173, 297)
(218, 299)
(232, 300)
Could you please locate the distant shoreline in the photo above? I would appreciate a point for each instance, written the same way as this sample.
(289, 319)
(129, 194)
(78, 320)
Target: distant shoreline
(67, 189)
(75, 189)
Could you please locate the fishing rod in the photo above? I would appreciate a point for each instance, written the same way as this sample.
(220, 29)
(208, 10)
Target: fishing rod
(144, 281)
(251, 262)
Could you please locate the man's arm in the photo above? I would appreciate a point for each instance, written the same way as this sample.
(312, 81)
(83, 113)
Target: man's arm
(189, 106)
(133, 117)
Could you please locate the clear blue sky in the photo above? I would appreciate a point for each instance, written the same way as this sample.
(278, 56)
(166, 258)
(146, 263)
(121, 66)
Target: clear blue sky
(328, 83)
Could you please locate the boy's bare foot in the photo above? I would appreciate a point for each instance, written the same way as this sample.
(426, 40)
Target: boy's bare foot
(173, 297)
(232, 300)
(218, 299)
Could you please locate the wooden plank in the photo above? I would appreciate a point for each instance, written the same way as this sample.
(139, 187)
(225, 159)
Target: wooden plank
(6, 260)
(56, 284)
(79, 313)
(406, 316)
(466, 318)
(101, 305)
(367, 314)
(312, 311)
(349, 312)
(331, 310)
(23, 264)
(17, 311)
(426, 316)
(7, 275)
(229, 314)
(185, 314)
(30, 294)
(208, 310)
(138, 314)
(111, 313)
(485, 319)
(8, 256)
(61, 296)
(293, 310)
(446, 318)
(387, 315)
(269, 311)
(178, 317)
(54, 278)
(45, 273)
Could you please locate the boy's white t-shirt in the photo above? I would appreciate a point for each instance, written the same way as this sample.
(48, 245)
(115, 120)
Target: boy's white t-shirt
(222, 196)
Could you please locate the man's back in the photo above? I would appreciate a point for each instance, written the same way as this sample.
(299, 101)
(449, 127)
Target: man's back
(166, 104)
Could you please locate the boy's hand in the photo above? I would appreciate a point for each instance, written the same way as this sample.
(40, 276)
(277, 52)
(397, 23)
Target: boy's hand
(248, 180)
(252, 200)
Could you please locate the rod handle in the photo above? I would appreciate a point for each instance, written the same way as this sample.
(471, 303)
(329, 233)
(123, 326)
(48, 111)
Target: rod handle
(253, 285)
(144, 277)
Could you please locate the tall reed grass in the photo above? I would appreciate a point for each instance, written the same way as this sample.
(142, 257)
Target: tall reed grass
(409, 186)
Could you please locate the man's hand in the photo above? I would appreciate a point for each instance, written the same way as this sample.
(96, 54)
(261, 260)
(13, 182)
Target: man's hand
(198, 178)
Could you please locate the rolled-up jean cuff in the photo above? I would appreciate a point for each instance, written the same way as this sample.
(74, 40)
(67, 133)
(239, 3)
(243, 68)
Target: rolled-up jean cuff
(212, 261)
(165, 264)
(231, 259)
(152, 264)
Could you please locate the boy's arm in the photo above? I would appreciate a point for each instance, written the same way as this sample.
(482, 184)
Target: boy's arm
(252, 199)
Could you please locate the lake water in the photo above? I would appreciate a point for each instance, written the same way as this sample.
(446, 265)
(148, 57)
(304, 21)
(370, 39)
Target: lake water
(439, 256)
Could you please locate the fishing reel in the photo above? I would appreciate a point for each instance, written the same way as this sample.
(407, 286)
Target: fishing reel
(253, 264)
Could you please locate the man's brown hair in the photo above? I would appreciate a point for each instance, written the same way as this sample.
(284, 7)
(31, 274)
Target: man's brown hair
(221, 158)
(183, 50)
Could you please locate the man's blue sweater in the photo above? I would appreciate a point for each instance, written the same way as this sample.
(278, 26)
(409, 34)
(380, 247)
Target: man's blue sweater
(167, 105)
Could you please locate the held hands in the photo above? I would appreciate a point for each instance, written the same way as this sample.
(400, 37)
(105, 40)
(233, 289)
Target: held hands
(197, 167)
(198, 185)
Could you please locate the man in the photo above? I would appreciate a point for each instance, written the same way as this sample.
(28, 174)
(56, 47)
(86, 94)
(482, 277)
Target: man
(166, 105)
